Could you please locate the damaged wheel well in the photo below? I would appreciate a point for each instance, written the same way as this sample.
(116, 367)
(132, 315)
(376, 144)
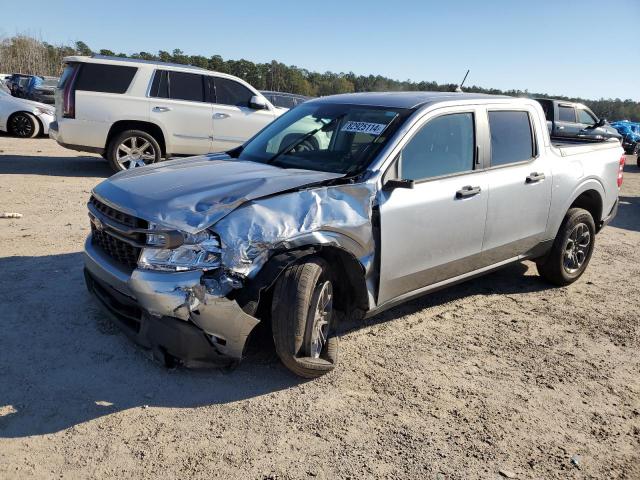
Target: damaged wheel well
(348, 273)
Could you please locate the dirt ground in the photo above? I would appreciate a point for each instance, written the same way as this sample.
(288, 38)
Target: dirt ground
(499, 376)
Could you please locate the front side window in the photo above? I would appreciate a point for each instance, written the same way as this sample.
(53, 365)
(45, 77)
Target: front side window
(585, 117)
(230, 92)
(566, 114)
(444, 146)
(334, 138)
(100, 77)
(511, 137)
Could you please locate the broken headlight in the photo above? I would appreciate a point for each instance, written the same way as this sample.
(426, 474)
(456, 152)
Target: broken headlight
(199, 251)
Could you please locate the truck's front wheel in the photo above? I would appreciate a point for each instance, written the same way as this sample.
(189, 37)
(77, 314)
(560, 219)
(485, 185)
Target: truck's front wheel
(572, 249)
(302, 318)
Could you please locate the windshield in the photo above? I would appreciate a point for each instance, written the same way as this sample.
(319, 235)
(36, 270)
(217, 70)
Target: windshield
(325, 137)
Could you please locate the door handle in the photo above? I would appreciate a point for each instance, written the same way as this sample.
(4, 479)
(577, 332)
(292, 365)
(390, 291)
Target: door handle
(468, 191)
(535, 177)
(220, 116)
(161, 109)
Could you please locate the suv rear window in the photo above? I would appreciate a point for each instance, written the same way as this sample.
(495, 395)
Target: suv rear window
(511, 137)
(229, 92)
(99, 77)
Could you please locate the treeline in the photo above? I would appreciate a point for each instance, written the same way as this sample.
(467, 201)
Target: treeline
(26, 54)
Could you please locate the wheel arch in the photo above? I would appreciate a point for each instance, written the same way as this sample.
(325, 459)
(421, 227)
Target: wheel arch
(349, 275)
(151, 128)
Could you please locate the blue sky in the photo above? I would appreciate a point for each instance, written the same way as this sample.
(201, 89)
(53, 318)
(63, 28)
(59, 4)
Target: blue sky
(559, 47)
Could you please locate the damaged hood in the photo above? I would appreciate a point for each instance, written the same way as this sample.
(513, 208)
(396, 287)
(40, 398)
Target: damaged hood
(191, 194)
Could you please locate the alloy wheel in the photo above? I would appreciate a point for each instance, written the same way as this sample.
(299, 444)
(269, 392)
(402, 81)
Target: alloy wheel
(320, 310)
(22, 126)
(576, 249)
(135, 152)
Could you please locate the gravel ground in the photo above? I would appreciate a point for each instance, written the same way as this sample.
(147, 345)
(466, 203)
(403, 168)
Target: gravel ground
(496, 377)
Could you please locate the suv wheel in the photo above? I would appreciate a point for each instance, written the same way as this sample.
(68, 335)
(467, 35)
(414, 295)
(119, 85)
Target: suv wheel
(132, 149)
(572, 249)
(24, 125)
(302, 318)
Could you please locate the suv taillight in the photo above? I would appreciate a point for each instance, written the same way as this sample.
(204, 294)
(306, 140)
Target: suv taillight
(621, 170)
(69, 95)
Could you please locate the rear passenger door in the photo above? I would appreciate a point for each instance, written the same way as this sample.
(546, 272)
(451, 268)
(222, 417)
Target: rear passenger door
(234, 122)
(519, 178)
(179, 105)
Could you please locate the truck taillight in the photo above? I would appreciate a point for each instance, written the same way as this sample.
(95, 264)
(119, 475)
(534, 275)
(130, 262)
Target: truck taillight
(621, 170)
(69, 96)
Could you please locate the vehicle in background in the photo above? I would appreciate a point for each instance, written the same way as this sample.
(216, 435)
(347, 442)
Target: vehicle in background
(135, 112)
(3, 87)
(24, 118)
(18, 84)
(568, 120)
(44, 92)
(630, 132)
(413, 192)
(284, 100)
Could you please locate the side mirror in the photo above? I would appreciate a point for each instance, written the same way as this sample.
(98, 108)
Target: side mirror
(258, 103)
(600, 123)
(394, 183)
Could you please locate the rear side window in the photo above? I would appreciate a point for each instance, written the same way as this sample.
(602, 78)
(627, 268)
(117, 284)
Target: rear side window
(230, 92)
(566, 114)
(511, 137)
(178, 86)
(444, 146)
(98, 77)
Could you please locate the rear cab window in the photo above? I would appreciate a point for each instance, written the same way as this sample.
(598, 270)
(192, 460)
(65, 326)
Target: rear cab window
(105, 78)
(512, 139)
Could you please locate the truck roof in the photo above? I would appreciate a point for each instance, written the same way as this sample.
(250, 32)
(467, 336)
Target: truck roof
(404, 99)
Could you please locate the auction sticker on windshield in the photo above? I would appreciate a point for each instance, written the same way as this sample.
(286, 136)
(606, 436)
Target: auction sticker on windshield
(364, 127)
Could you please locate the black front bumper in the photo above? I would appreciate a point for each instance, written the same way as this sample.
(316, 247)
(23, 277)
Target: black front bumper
(170, 339)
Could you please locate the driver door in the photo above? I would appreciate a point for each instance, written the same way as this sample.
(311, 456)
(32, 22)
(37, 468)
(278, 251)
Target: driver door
(434, 231)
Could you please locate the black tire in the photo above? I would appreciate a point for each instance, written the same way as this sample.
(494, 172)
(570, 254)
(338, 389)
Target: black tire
(24, 125)
(149, 150)
(294, 300)
(635, 149)
(561, 266)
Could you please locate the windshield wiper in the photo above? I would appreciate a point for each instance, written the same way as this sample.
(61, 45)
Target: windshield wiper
(307, 135)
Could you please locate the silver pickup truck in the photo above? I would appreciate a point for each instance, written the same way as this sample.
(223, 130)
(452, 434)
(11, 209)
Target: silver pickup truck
(387, 196)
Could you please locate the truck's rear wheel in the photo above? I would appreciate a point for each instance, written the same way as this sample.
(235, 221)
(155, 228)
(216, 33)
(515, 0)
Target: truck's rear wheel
(132, 149)
(302, 318)
(572, 249)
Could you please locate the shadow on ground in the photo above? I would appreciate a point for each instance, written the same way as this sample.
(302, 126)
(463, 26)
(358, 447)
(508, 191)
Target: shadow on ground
(63, 362)
(628, 216)
(54, 166)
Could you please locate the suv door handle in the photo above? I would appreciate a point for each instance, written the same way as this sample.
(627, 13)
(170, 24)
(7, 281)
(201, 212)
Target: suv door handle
(220, 116)
(161, 109)
(468, 191)
(535, 177)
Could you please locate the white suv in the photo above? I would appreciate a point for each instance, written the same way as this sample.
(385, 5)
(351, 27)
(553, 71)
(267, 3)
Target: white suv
(134, 112)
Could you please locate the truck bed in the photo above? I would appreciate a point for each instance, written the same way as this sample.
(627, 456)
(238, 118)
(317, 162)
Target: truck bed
(575, 147)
